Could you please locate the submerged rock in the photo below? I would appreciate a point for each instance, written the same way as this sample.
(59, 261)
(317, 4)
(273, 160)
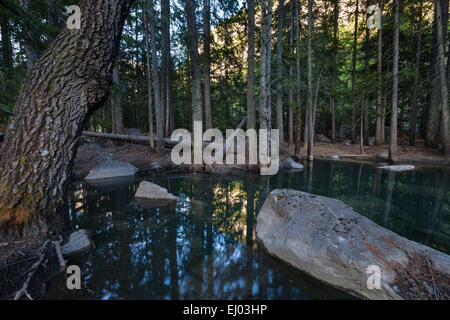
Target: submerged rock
(111, 169)
(328, 240)
(78, 241)
(151, 191)
(398, 168)
(291, 164)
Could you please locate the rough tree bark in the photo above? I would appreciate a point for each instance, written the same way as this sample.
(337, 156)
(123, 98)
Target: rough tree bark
(159, 114)
(70, 80)
(207, 61)
(251, 120)
(197, 104)
(393, 155)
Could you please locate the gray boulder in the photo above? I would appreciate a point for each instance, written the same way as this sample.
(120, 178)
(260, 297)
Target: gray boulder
(78, 241)
(111, 169)
(326, 239)
(151, 191)
(398, 168)
(322, 138)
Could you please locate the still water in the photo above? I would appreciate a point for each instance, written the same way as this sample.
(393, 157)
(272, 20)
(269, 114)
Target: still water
(205, 246)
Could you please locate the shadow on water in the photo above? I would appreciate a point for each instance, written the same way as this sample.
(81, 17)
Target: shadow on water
(204, 246)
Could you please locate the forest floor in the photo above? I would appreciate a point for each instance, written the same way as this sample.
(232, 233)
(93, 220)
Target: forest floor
(418, 154)
(92, 152)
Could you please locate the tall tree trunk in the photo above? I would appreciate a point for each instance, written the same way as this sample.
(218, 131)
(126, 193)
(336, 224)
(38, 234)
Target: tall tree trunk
(298, 141)
(309, 94)
(32, 53)
(335, 70)
(207, 66)
(279, 97)
(263, 67)
(166, 67)
(265, 113)
(6, 66)
(442, 79)
(197, 104)
(56, 100)
(379, 123)
(365, 113)
(291, 80)
(393, 155)
(433, 113)
(151, 128)
(159, 114)
(415, 99)
(251, 120)
(269, 65)
(116, 105)
(355, 44)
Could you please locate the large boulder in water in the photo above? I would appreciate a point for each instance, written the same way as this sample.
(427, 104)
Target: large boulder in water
(328, 240)
(151, 191)
(111, 169)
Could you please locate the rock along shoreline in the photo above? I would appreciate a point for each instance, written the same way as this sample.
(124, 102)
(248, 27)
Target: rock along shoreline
(331, 242)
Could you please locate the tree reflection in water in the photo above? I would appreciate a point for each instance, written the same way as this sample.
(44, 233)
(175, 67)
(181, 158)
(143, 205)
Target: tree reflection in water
(205, 247)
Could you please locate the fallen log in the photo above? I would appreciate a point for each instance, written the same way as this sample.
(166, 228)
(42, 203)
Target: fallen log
(125, 137)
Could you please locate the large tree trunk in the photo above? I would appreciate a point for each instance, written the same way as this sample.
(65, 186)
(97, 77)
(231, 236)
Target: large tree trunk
(309, 94)
(197, 105)
(415, 99)
(70, 80)
(207, 57)
(159, 113)
(393, 155)
(251, 120)
(443, 81)
(379, 123)
(166, 67)
(279, 98)
(355, 44)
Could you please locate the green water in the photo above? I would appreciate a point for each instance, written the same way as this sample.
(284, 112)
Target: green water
(204, 247)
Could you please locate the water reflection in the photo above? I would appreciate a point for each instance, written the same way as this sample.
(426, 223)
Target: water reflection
(204, 247)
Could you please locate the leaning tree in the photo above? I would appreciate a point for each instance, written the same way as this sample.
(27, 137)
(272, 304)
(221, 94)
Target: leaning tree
(68, 83)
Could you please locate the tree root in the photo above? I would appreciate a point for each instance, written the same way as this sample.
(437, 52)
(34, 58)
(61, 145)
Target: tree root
(24, 290)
